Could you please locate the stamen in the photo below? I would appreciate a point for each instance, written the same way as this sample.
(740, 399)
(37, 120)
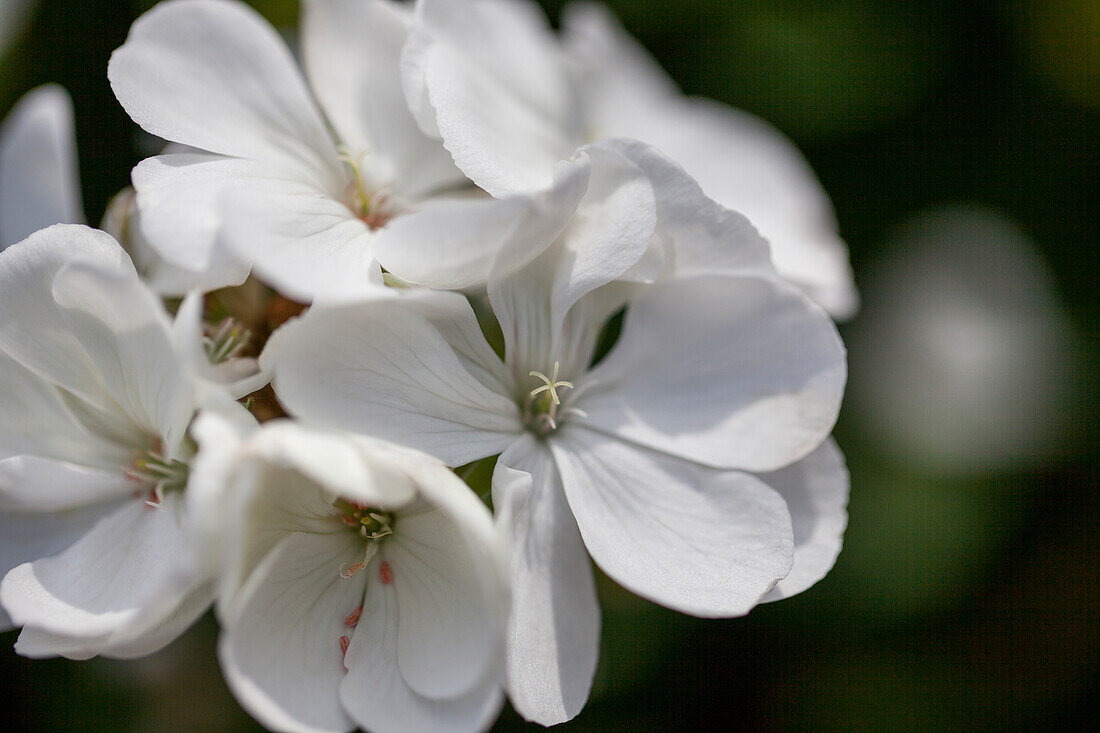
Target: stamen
(371, 208)
(552, 384)
(225, 341)
(348, 571)
(160, 474)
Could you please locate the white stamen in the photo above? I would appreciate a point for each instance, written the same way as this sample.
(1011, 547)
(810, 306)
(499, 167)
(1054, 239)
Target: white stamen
(552, 384)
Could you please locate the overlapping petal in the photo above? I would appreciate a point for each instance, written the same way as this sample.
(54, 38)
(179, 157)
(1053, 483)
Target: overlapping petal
(489, 78)
(213, 75)
(383, 369)
(377, 696)
(118, 574)
(739, 160)
(33, 327)
(280, 650)
(702, 541)
(448, 608)
(352, 52)
(738, 373)
(816, 492)
(554, 630)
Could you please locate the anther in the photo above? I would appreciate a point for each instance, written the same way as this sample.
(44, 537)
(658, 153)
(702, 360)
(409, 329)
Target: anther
(347, 572)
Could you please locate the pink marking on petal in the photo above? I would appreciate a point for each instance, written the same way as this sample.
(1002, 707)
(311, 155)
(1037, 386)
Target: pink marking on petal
(352, 619)
(345, 642)
(385, 573)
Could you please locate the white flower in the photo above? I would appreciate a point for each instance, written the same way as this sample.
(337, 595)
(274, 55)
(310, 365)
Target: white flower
(363, 585)
(490, 80)
(38, 168)
(98, 391)
(267, 176)
(649, 457)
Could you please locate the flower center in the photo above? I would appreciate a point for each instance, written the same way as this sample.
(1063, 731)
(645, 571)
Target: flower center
(543, 408)
(370, 523)
(371, 204)
(160, 474)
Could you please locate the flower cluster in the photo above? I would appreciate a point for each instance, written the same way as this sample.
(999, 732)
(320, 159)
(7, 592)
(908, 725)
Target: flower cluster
(451, 241)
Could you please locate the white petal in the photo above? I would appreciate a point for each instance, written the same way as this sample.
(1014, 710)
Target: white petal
(352, 50)
(350, 466)
(37, 420)
(130, 642)
(179, 197)
(377, 367)
(703, 237)
(123, 571)
(739, 160)
(302, 241)
(497, 82)
(816, 492)
(126, 334)
(458, 243)
(280, 650)
(142, 638)
(702, 541)
(613, 70)
(734, 372)
(214, 75)
(456, 322)
(450, 618)
(30, 483)
(39, 184)
(746, 164)
(33, 328)
(27, 536)
(608, 234)
(376, 696)
(554, 631)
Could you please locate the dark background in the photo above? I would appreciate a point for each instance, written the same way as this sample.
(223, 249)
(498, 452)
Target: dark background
(966, 594)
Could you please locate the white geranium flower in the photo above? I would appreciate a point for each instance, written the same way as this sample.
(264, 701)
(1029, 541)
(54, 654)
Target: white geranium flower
(363, 586)
(651, 457)
(39, 184)
(491, 81)
(98, 391)
(307, 208)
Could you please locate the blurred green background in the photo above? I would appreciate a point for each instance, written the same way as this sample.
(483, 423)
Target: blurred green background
(958, 140)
